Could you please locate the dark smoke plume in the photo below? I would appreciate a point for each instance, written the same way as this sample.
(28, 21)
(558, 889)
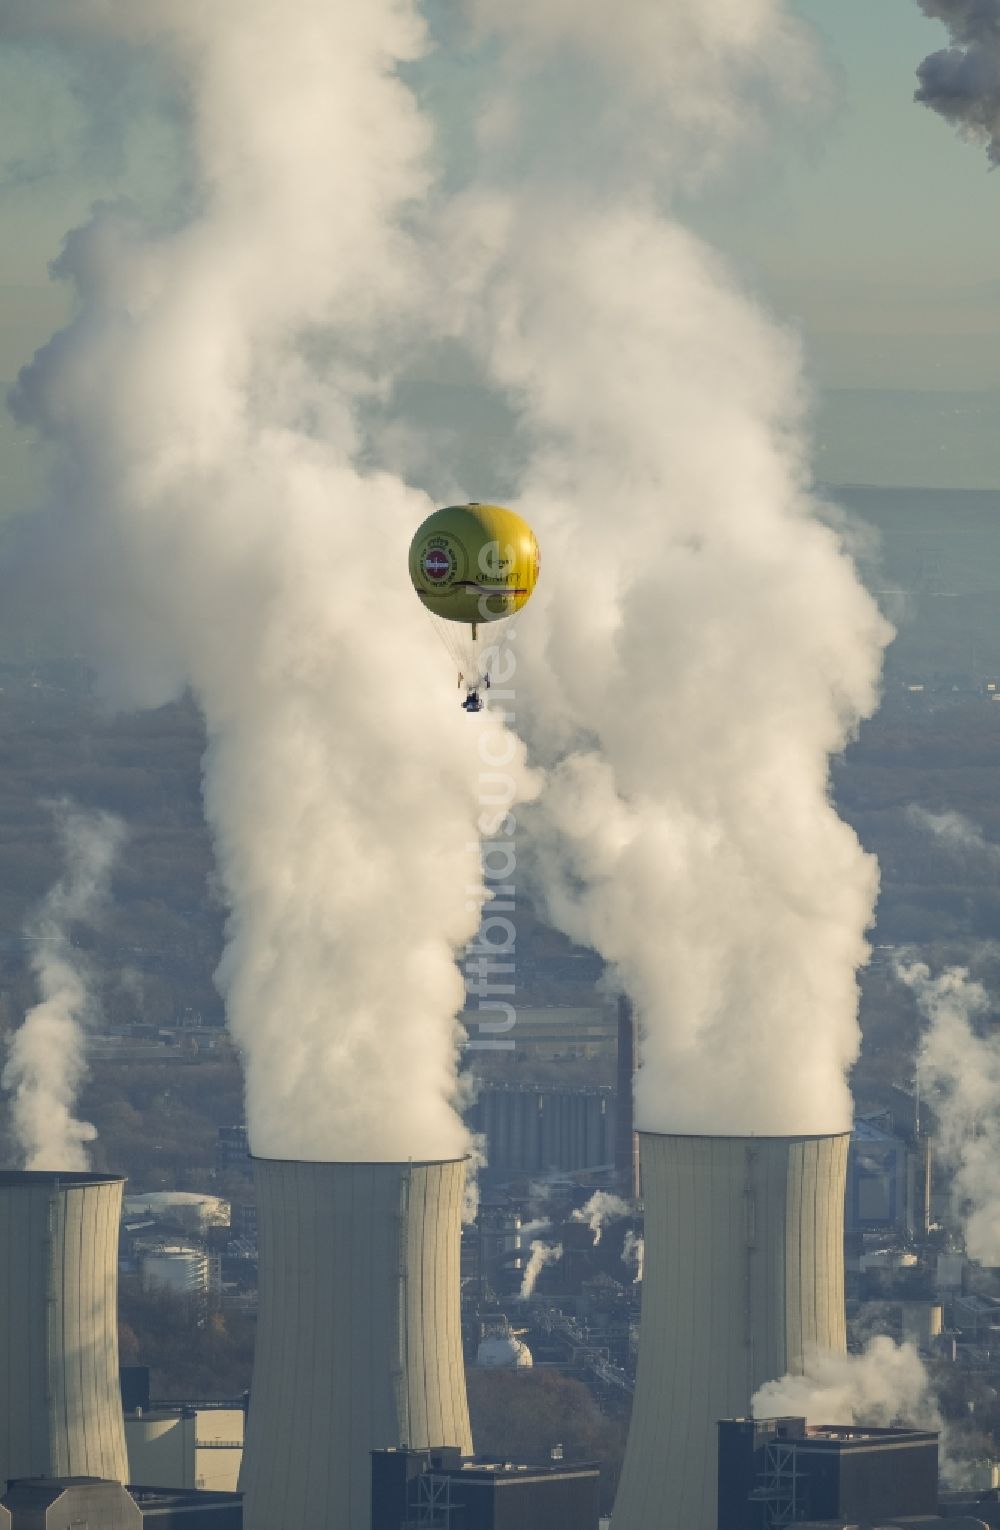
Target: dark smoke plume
(962, 82)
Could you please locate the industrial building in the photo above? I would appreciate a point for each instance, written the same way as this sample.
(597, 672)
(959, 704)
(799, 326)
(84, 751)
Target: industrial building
(42, 1503)
(744, 1273)
(776, 1472)
(232, 1148)
(888, 1180)
(552, 1032)
(60, 1407)
(535, 1128)
(498, 1230)
(441, 1488)
(359, 1334)
(193, 1445)
(177, 1268)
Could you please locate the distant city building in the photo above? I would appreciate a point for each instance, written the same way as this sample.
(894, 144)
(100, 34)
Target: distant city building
(441, 1487)
(232, 1148)
(777, 1472)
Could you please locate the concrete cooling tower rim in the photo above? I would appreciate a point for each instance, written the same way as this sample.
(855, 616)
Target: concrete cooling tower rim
(71, 1179)
(361, 1163)
(745, 1137)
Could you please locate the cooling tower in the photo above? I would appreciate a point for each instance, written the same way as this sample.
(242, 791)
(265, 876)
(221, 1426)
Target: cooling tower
(60, 1405)
(358, 1334)
(744, 1274)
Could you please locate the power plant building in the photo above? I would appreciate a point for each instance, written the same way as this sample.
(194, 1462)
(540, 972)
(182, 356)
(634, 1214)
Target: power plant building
(440, 1488)
(776, 1472)
(358, 1335)
(532, 1129)
(888, 1180)
(190, 1446)
(744, 1274)
(41, 1503)
(180, 1270)
(60, 1407)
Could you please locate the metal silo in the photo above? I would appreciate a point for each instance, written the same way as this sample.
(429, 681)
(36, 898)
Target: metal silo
(358, 1334)
(744, 1274)
(60, 1404)
(175, 1268)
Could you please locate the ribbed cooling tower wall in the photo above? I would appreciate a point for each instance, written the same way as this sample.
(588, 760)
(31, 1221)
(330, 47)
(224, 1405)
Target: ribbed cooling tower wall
(358, 1334)
(744, 1273)
(60, 1401)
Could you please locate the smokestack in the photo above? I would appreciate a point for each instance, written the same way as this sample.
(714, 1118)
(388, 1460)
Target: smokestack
(744, 1274)
(626, 1136)
(60, 1406)
(358, 1334)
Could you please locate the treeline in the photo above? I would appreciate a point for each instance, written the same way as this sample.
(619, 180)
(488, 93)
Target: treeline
(194, 1349)
(523, 1415)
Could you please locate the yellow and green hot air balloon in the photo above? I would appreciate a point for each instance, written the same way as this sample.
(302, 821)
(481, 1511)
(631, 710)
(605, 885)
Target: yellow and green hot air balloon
(472, 566)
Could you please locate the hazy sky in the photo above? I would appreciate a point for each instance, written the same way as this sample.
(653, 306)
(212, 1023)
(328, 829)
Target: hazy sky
(864, 221)
(876, 226)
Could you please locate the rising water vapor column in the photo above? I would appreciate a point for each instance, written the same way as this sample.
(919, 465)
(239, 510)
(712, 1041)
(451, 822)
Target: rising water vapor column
(744, 1275)
(358, 1335)
(60, 1400)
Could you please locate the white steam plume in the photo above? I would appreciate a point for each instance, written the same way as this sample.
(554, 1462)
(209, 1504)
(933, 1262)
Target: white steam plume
(537, 1224)
(955, 833)
(634, 1254)
(541, 1255)
(603, 1207)
(229, 533)
(959, 1071)
(46, 1058)
(885, 1385)
(707, 645)
(962, 83)
(708, 69)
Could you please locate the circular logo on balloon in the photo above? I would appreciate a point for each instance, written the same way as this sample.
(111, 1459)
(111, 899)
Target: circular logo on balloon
(438, 562)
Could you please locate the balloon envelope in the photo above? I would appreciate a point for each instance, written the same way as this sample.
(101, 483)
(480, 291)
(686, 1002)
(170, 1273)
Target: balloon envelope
(474, 563)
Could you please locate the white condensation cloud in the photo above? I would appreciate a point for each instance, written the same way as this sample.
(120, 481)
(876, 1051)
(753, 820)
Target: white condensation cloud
(884, 1386)
(958, 1066)
(215, 511)
(46, 1056)
(955, 833)
(705, 644)
(687, 80)
(699, 645)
